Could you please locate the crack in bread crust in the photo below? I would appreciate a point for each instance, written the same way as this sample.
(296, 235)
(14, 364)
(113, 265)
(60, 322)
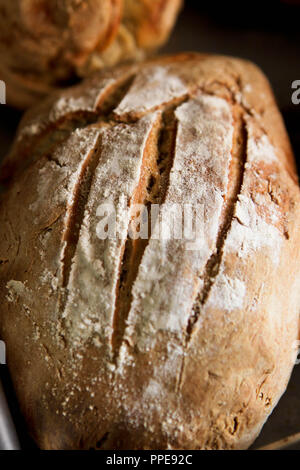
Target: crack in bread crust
(75, 214)
(151, 189)
(213, 264)
(239, 160)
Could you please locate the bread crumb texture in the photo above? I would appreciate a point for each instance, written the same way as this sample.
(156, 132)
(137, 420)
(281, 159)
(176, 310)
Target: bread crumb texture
(157, 343)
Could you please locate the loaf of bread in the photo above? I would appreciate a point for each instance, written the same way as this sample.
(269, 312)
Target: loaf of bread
(46, 44)
(161, 341)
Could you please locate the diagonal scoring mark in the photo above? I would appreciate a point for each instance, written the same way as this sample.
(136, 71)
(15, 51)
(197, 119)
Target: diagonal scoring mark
(152, 188)
(213, 265)
(75, 211)
(75, 215)
(239, 155)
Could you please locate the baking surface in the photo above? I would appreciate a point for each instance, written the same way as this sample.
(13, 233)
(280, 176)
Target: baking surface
(272, 40)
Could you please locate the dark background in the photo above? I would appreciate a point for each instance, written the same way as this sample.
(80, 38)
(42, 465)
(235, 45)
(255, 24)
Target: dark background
(268, 33)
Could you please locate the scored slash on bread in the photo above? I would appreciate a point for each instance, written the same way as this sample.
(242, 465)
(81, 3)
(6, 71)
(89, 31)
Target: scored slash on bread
(150, 343)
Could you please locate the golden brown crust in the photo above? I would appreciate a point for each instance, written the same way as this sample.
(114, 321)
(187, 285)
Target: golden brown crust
(45, 44)
(149, 344)
(150, 21)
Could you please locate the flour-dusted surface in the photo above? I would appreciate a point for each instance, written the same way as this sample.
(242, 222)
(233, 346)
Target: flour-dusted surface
(114, 181)
(163, 342)
(199, 177)
(152, 87)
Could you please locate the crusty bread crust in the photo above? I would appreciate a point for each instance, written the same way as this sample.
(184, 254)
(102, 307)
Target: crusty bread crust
(151, 344)
(45, 44)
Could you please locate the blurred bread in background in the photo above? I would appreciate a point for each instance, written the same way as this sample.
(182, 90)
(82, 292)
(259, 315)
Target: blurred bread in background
(49, 44)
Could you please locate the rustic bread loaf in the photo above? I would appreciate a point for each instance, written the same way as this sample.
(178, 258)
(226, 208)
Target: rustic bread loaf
(159, 343)
(44, 43)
